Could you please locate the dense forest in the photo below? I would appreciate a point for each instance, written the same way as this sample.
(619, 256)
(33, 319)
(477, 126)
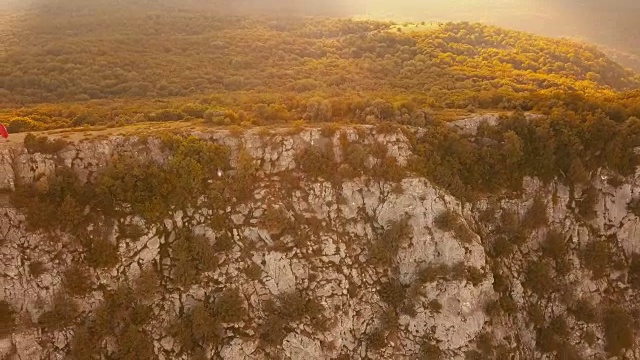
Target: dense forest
(72, 66)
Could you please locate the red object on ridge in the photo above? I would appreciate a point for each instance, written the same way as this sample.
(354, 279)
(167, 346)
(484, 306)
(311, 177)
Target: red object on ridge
(3, 132)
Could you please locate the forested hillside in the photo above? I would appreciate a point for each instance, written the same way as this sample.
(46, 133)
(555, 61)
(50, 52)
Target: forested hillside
(70, 66)
(244, 187)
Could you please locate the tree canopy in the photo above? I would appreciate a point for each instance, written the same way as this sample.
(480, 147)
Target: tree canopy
(131, 65)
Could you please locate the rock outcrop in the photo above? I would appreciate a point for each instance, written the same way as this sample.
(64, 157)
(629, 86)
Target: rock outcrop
(391, 279)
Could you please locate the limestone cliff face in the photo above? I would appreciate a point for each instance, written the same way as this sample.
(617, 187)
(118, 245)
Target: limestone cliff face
(329, 256)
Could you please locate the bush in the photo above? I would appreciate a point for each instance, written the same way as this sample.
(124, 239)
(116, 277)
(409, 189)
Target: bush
(152, 190)
(253, 272)
(294, 307)
(197, 329)
(590, 337)
(538, 279)
(62, 314)
(553, 337)
(83, 343)
(597, 256)
(585, 206)
(193, 256)
(273, 329)
(448, 220)
(583, 310)
(101, 253)
(553, 246)
(7, 319)
(430, 351)
(134, 343)
(618, 331)
(42, 144)
(501, 247)
(485, 343)
(228, 307)
(275, 220)
(194, 110)
(536, 216)
(356, 157)
(318, 161)
(435, 306)
(456, 272)
(224, 242)
(244, 180)
(119, 308)
(634, 206)
(37, 268)
(507, 304)
(77, 281)
(20, 124)
(130, 232)
(388, 169)
(147, 285)
(634, 271)
(536, 315)
(377, 339)
(385, 247)
(474, 275)
(59, 205)
(285, 310)
(511, 228)
(389, 319)
(392, 292)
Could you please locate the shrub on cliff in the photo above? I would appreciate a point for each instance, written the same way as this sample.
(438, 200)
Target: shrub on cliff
(429, 350)
(318, 161)
(286, 309)
(385, 246)
(58, 204)
(545, 148)
(634, 271)
(101, 253)
(42, 144)
(121, 316)
(538, 279)
(392, 292)
(583, 310)
(77, 281)
(536, 215)
(553, 336)
(634, 206)
(62, 313)
(7, 319)
(153, 190)
(618, 330)
(585, 206)
(448, 220)
(597, 256)
(275, 220)
(193, 255)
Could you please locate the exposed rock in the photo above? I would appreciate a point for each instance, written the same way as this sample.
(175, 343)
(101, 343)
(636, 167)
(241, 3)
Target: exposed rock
(297, 346)
(324, 254)
(281, 278)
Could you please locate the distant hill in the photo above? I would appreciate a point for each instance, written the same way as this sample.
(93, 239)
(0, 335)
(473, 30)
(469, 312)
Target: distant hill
(272, 69)
(611, 24)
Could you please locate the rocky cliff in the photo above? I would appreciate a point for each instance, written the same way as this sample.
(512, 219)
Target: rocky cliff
(316, 266)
